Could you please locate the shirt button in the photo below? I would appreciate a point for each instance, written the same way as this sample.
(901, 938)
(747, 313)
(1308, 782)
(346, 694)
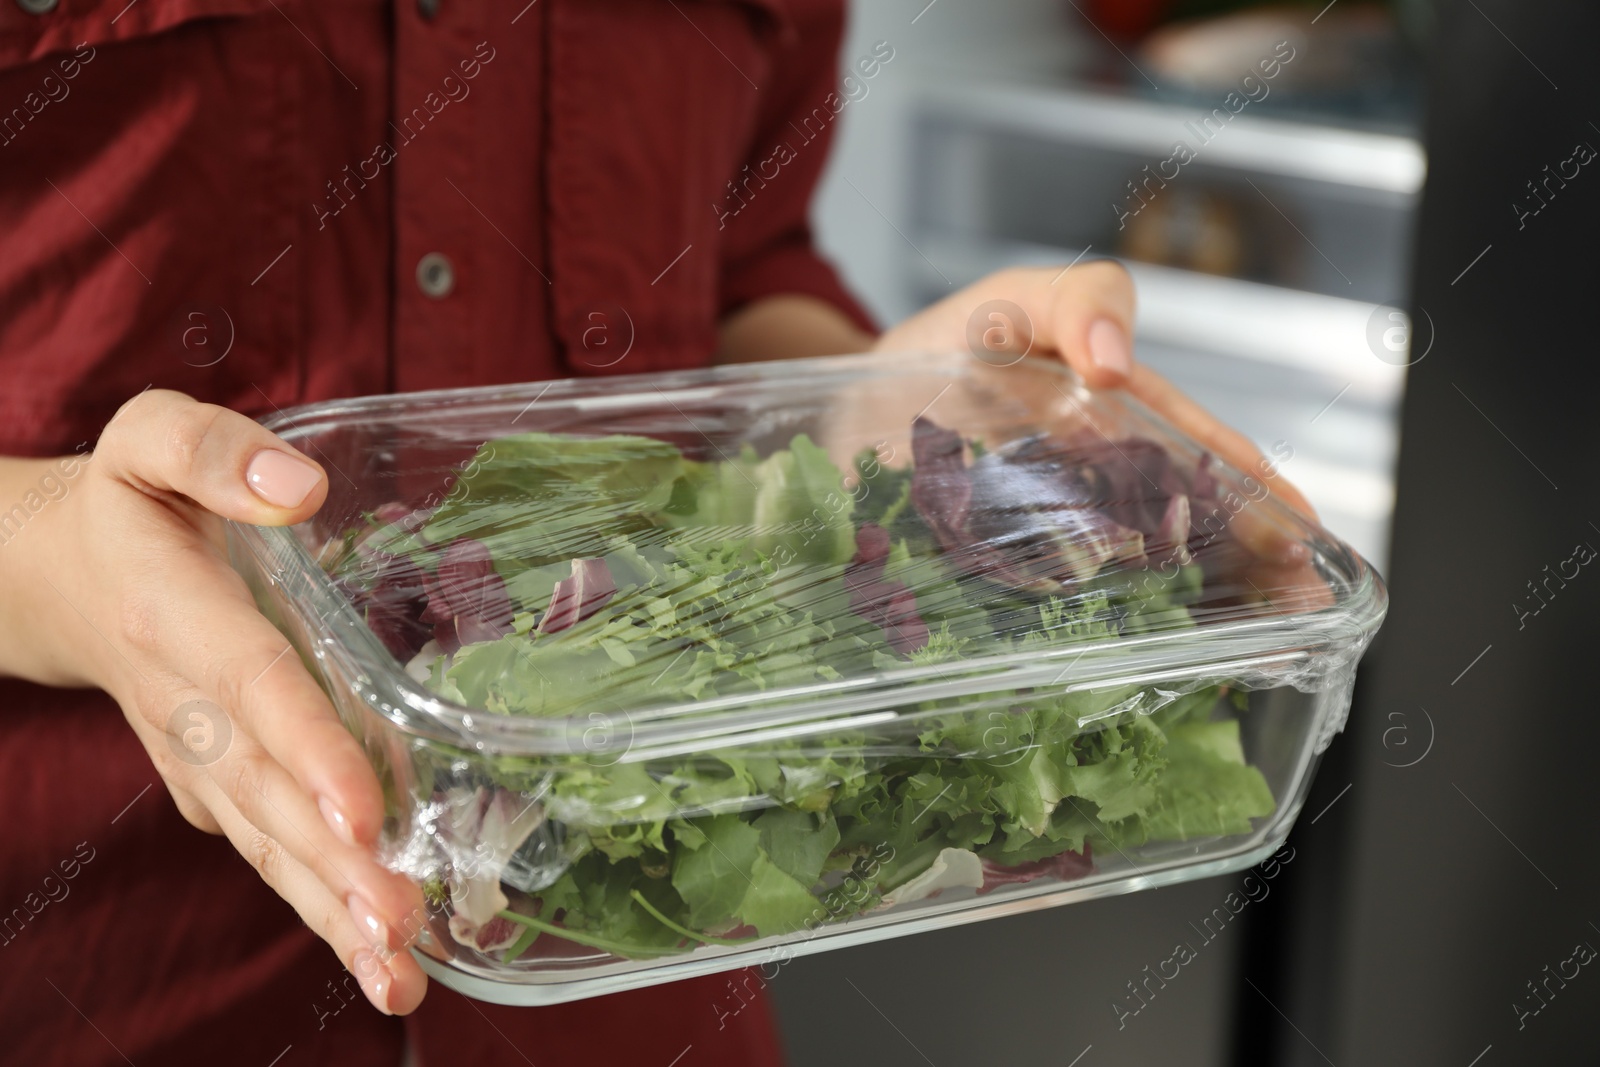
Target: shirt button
(38, 7)
(436, 275)
(426, 8)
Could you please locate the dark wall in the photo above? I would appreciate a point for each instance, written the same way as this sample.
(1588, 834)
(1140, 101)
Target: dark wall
(1033, 989)
(1448, 885)
(1463, 862)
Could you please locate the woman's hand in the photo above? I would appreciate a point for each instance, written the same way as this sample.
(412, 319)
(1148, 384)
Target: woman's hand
(1084, 315)
(123, 584)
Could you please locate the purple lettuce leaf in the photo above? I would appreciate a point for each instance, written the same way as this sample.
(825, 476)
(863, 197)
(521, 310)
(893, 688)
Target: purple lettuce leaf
(481, 830)
(1129, 481)
(1063, 867)
(467, 599)
(588, 589)
(393, 604)
(387, 588)
(1172, 533)
(1028, 517)
(888, 604)
(941, 487)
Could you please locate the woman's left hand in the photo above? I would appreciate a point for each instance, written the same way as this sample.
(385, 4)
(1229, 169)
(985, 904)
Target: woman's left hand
(1083, 314)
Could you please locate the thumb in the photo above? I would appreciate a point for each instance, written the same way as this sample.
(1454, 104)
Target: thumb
(1086, 314)
(165, 442)
(1083, 313)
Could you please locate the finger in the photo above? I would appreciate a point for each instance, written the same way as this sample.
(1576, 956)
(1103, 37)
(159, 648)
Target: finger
(384, 904)
(238, 775)
(205, 627)
(1272, 537)
(165, 442)
(1289, 588)
(1088, 310)
(392, 981)
(1085, 313)
(1231, 446)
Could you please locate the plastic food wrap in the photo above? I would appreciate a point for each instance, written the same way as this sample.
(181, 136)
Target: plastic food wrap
(677, 673)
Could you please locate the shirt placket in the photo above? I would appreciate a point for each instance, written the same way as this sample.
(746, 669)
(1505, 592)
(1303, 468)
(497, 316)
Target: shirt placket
(439, 289)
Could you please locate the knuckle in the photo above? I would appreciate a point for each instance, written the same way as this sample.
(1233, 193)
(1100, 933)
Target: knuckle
(328, 922)
(187, 433)
(244, 780)
(264, 854)
(139, 622)
(146, 704)
(233, 677)
(229, 680)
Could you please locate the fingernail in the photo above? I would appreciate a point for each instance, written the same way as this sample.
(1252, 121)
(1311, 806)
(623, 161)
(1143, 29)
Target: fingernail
(280, 479)
(375, 980)
(337, 821)
(1109, 349)
(374, 929)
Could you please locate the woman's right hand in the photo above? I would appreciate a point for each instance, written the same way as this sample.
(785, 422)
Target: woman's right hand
(123, 584)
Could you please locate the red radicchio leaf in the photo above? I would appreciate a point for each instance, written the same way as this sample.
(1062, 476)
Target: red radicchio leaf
(1141, 485)
(489, 826)
(467, 600)
(394, 604)
(496, 934)
(1129, 481)
(890, 605)
(1024, 517)
(588, 589)
(386, 589)
(1065, 867)
(941, 489)
(1172, 533)
(1205, 483)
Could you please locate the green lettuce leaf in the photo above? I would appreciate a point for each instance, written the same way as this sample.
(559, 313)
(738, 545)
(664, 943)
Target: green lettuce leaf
(730, 580)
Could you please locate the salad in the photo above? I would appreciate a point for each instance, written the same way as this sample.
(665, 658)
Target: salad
(603, 582)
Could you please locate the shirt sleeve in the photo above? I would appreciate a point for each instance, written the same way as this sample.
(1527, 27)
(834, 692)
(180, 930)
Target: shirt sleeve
(767, 247)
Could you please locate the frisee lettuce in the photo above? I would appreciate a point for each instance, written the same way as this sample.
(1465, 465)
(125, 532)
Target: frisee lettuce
(733, 577)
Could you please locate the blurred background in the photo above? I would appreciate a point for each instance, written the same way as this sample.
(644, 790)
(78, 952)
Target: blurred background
(1038, 131)
(1258, 168)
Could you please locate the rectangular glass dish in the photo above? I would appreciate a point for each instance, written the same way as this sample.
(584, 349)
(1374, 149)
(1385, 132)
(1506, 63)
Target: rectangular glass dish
(671, 674)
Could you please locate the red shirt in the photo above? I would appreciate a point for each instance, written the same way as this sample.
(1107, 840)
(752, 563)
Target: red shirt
(265, 202)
